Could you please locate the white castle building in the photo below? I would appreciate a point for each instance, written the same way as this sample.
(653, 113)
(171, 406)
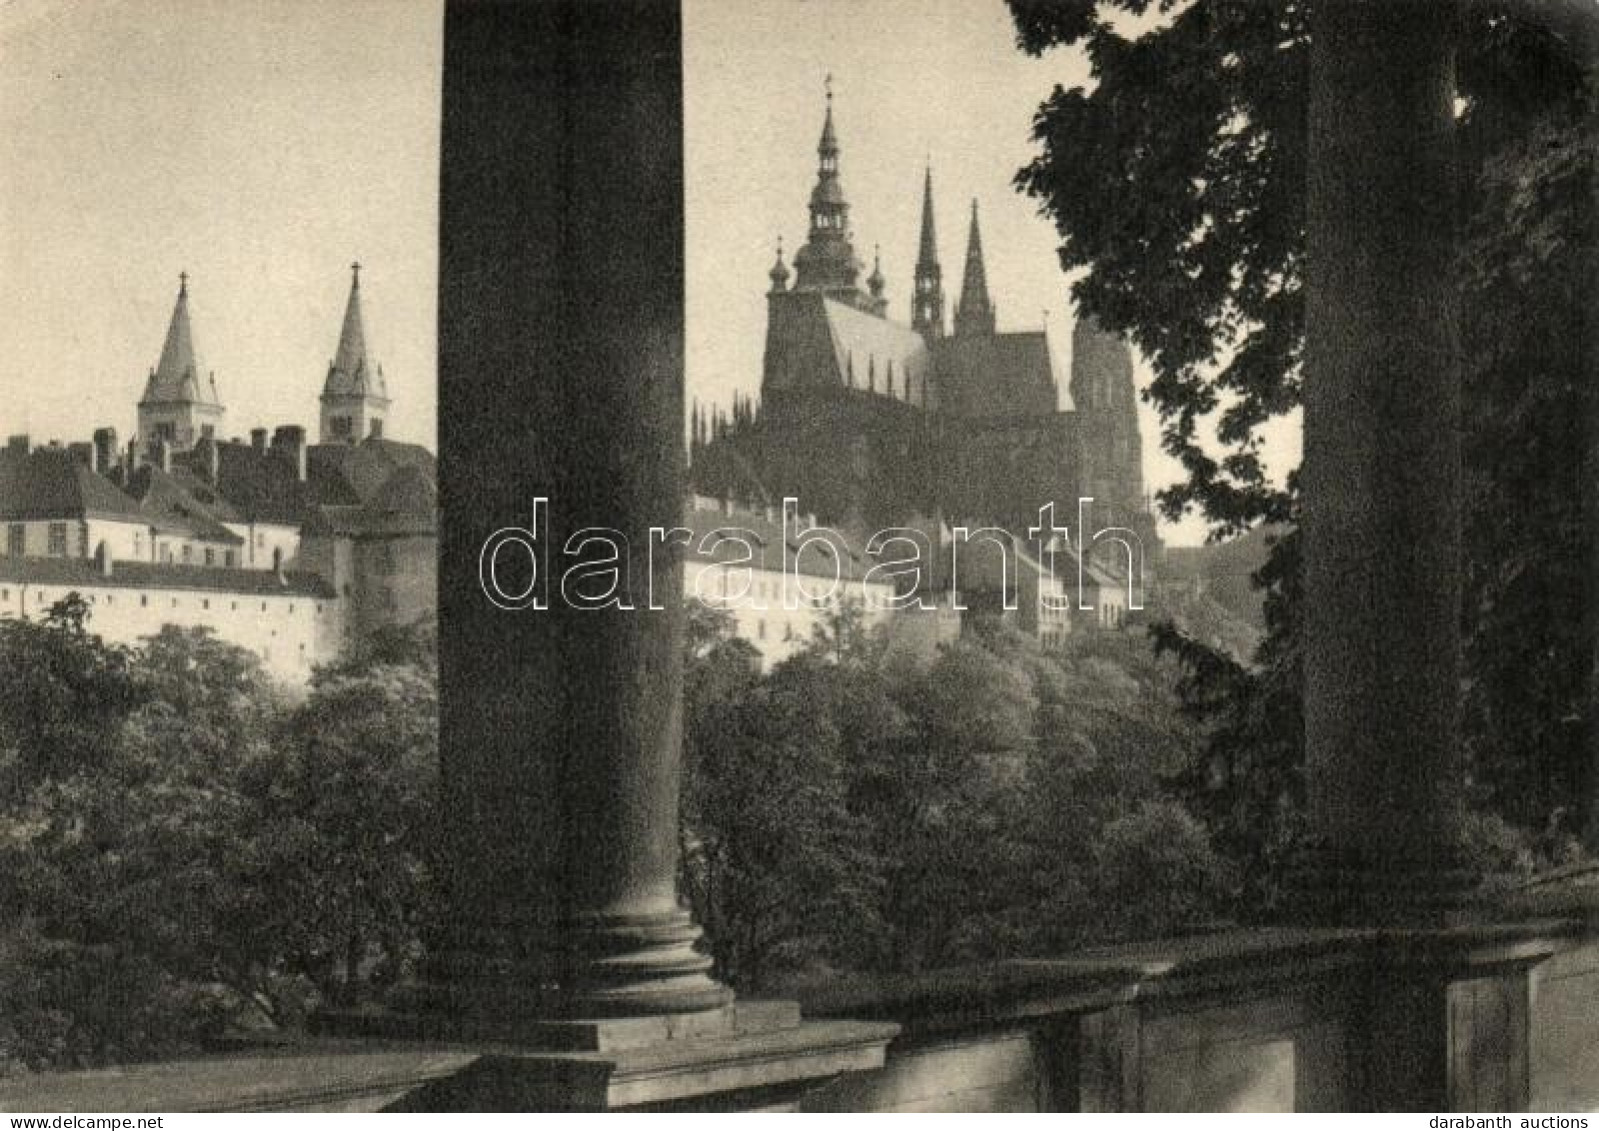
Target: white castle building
(283, 547)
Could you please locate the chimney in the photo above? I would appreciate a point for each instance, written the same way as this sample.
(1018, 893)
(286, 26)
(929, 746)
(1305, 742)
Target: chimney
(163, 456)
(258, 439)
(82, 453)
(102, 558)
(106, 451)
(210, 461)
(135, 458)
(289, 444)
(18, 444)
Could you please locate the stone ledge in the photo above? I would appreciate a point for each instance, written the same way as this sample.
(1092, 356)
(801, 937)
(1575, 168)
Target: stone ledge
(1102, 977)
(352, 1076)
(329, 1076)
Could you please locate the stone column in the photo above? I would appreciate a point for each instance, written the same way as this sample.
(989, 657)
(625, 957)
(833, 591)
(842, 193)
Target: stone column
(1382, 464)
(560, 374)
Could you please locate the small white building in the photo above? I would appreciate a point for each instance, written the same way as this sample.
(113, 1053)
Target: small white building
(778, 583)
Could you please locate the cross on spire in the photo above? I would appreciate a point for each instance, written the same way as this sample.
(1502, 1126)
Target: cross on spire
(355, 271)
(183, 282)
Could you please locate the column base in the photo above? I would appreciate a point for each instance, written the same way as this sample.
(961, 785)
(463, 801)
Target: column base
(745, 1057)
(503, 977)
(438, 1013)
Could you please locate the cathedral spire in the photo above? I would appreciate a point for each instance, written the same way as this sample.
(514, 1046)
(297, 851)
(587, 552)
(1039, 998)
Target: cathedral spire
(927, 294)
(354, 398)
(975, 312)
(827, 262)
(179, 375)
(180, 402)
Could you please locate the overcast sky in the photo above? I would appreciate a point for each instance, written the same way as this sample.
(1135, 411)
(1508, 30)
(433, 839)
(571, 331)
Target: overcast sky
(259, 146)
(262, 147)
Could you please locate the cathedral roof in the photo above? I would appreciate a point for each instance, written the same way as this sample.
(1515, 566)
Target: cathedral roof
(353, 373)
(179, 376)
(995, 375)
(816, 340)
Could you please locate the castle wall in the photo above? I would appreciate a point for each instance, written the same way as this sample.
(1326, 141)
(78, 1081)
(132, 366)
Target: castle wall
(290, 632)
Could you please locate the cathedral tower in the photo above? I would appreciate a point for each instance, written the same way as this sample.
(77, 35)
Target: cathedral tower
(355, 400)
(180, 405)
(828, 262)
(927, 299)
(1106, 397)
(975, 313)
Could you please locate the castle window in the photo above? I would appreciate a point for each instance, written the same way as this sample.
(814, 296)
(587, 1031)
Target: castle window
(188, 552)
(377, 429)
(210, 556)
(760, 629)
(227, 558)
(341, 426)
(16, 539)
(58, 539)
(174, 602)
(5, 594)
(144, 600)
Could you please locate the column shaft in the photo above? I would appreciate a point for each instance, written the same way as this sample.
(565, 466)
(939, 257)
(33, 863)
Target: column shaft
(561, 376)
(1382, 456)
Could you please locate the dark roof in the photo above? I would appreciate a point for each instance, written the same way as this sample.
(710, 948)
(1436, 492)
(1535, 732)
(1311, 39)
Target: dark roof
(815, 340)
(261, 486)
(171, 507)
(356, 473)
(406, 504)
(770, 549)
(145, 575)
(995, 375)
(50, 483)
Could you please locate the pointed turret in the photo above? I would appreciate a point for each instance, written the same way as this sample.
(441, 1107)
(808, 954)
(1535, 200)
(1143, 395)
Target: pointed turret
(180, 404)
(827, 262)
(355, 399)
(779, 272)
(975, 312)
(179, 369)
(927, 298)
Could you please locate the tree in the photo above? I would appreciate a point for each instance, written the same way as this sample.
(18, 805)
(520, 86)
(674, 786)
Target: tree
(772, 862)
(1177, 184)
(217, 854)
(343, 811)
(67, 694)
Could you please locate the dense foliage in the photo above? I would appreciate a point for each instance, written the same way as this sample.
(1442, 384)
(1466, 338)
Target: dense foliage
(855, 808)
(184, 850)
(1176, 180)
